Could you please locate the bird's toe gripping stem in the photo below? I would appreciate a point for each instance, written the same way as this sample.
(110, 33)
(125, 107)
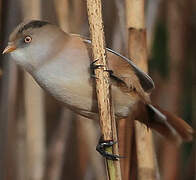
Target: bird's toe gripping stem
(94, 66)
(101, 148)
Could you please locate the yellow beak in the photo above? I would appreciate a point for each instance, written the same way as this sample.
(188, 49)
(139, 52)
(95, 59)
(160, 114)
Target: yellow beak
(9, 48)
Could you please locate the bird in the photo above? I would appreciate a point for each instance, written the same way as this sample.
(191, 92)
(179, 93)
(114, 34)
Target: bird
(62, 64)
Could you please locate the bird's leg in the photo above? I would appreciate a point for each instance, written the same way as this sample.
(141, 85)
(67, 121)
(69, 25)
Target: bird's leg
(94, 66)
(110, 72)
(101, 148)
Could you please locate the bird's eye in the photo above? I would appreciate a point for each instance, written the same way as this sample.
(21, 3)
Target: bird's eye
(27, 39)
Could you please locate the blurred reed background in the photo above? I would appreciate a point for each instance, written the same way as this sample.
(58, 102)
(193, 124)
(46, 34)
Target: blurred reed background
(41, 140)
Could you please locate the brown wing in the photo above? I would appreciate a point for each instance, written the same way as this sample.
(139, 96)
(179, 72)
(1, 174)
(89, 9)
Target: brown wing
(126, 64)
(125, 71)
(145, 80)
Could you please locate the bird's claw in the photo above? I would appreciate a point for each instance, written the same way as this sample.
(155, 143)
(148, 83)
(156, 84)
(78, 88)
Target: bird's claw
(93, 76)
(109, 71)
(101, 148)
(94, 66)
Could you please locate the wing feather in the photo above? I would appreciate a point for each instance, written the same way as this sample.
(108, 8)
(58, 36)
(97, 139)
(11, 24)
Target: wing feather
(145, 80)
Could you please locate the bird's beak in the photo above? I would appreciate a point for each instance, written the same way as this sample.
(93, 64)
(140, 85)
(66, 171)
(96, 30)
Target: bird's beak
(9, 48)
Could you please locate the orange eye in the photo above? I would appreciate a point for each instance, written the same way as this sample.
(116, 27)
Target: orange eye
(27, 39)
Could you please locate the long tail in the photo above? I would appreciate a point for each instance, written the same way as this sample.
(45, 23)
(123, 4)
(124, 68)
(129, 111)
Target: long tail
(167, 124)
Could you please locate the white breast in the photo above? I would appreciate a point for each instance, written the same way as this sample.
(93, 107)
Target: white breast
(68, 80)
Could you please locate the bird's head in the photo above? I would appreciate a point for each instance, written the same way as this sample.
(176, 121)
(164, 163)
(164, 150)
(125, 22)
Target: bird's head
(32, 42)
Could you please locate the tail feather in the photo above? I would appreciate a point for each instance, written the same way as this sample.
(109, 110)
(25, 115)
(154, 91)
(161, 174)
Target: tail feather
(185, 131)
(167, 124)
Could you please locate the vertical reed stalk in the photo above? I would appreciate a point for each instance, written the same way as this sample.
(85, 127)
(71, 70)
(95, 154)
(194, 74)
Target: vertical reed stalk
(62, 11)
(57, 147)
(125, 126)
(177, 39)
(107, 118)
(138, 53)
(90, 132)
(125, 134)
(34, 110)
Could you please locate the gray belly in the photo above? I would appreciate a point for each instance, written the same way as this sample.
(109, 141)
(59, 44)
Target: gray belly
(74, 88)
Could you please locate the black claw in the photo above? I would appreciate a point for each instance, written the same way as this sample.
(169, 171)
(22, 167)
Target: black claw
(101, 149)
(94, 66)
(93, 76)
(110, 72)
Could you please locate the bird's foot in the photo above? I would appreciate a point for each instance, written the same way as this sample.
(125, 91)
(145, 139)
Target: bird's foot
(110, 72)
(93, 76)
(94, 66)
(101, 148)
